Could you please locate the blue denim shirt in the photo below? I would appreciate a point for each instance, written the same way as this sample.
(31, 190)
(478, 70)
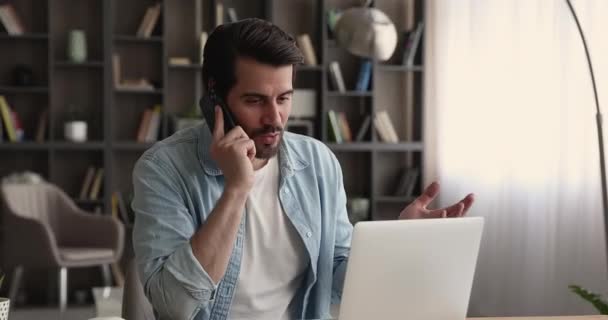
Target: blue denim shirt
(177, 184)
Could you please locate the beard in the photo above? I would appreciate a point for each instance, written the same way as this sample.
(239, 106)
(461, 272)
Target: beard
(264, 150)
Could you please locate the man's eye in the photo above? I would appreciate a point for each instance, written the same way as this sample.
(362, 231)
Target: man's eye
(284, 99)
(253, 101)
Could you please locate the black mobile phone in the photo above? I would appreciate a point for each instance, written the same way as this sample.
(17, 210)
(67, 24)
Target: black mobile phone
(207, 105)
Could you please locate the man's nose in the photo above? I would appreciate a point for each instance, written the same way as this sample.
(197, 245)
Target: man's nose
(272, 114)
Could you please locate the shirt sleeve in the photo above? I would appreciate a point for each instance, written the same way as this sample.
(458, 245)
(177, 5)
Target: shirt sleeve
(343, 235)
(174, 281)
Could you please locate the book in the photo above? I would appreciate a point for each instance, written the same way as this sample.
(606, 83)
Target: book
(219, 14)
(114, 205)
(336, 76)
(389, 126)
(179, 61)
(7, 118)
(202, 41)
(42, 125)
(149, 21)
(365, 75)
(11, 20)
(383, 124)
(232, 15)
(304, 42)
(86, 183)
(1, 129)
(144, 22)
(141, 84)
(334, 127)
(97, 185)
(144, 123)
(345, 131)
(407, 182)
(154, 126)
(116, 69)
(412, 45)
(18, 126)
(363, 128)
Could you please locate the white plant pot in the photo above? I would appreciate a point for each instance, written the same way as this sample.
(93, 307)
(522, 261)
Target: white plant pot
(5, 304)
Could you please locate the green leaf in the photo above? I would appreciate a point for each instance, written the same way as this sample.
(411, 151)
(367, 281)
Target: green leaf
(591, 297)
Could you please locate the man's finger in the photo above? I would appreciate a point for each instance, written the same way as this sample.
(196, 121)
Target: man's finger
(218, 131)
(468, 202)
(429, 194)
(438, 213)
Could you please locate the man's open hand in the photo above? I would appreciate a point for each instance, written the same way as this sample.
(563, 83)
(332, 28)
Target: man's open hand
(418, 208)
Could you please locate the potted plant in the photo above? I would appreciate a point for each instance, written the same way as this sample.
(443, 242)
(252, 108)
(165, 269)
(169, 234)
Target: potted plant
(192, 117)
(4, 302)
(591, 297)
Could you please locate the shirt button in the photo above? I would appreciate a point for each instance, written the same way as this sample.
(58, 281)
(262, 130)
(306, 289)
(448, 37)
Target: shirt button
(286, 191)
(308, 234)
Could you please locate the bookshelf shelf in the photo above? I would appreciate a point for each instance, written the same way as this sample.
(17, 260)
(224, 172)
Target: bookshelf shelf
(13, 89)
(192, 66)
(25, 36)
(135, 39)
(78, 145)
(401, 146)
(376, 146)
(131, 145)
(399, 68)
(87, 64)
(27, 145)
(139, 91)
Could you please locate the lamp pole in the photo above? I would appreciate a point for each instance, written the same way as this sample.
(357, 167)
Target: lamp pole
(600, 131)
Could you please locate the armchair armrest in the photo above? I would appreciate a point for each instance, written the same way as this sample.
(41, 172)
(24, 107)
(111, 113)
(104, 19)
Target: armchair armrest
(79, 228)
(28, 242)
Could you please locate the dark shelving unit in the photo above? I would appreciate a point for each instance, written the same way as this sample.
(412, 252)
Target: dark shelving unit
(113, 115)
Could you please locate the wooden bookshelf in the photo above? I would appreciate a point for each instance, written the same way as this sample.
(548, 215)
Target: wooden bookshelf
(113, 114)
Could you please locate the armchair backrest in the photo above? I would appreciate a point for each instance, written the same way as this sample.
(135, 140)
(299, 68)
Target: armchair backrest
(39, 201)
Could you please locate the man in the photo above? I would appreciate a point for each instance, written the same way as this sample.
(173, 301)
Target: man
(250, 223)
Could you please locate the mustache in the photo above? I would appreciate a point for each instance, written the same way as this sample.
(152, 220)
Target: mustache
(265, 130)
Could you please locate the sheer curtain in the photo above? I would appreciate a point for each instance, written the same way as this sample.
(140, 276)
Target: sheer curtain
(510, 116)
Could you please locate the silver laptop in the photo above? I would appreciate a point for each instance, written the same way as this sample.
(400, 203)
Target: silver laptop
(411, 269)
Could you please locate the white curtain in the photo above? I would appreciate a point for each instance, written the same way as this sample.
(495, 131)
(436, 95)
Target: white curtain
(510, 116)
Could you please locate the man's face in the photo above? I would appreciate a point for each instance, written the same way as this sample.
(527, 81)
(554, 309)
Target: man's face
(261, 102)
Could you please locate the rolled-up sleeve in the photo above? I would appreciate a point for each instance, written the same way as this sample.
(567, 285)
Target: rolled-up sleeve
(343, 235)
(173, 279)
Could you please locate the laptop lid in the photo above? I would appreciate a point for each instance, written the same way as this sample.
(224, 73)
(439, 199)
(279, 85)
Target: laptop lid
(411, 269)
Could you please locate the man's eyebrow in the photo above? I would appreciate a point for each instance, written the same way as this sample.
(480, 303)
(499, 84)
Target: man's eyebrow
(260, 95)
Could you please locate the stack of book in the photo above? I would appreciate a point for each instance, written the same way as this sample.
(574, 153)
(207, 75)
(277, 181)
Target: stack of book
(412, 43)
(384, 127)
(92, 184)
(149, 126)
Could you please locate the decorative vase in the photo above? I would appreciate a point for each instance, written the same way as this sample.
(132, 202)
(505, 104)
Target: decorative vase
(77, 46)
(75, 131)
(5, 304)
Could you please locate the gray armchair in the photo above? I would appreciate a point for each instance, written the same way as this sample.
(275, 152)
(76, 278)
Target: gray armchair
(43, 227)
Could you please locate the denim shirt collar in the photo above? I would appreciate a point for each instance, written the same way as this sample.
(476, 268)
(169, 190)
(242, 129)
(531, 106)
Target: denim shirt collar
(290, 160)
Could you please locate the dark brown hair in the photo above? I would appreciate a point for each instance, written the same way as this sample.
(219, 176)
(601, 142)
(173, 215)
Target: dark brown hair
(253, 38)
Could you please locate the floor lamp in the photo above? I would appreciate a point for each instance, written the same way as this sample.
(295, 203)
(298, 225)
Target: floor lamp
(600, 133)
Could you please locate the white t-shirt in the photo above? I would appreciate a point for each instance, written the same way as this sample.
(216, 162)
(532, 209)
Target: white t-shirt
(274, 257)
